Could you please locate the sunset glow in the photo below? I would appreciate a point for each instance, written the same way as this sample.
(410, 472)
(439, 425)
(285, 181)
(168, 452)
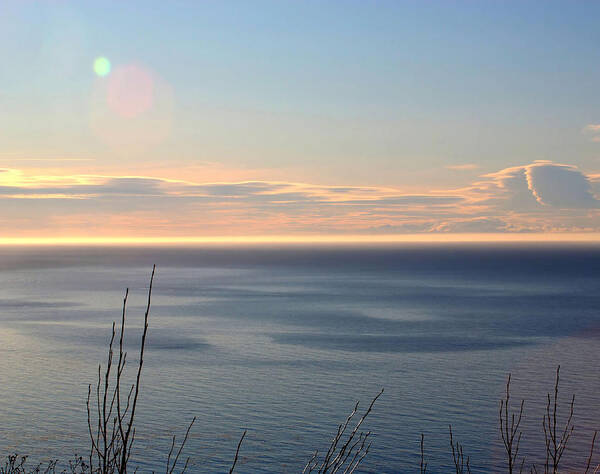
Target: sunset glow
(592, 238)
(186, 136)
(248, 216)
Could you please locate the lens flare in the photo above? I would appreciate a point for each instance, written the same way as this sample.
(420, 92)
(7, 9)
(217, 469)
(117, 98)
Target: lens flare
(130, 91)
(102, 66)
(131, 109)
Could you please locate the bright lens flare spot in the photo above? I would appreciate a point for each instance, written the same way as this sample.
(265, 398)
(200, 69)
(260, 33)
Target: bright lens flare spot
(101, 66)
(130, 91)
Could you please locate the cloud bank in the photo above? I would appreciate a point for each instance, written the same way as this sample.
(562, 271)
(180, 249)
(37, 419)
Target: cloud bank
(538, 197)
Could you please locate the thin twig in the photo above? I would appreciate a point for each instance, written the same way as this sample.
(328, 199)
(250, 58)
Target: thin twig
(187, 433)
(589, 461)
(237, 452)
(423, 469)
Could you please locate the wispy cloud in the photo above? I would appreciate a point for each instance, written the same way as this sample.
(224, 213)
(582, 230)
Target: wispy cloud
(50, 159)
(538, 197)
(593, 131)
(463, 167)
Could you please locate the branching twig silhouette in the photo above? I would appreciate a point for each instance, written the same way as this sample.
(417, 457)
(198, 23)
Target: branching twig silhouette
(112, 440)
(344, 455)
(171, 468)
(509, 428)
(556, 442)
(458, 456)
(113, 436)
(15, 464)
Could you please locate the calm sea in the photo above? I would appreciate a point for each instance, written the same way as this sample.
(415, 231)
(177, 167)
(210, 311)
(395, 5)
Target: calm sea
(282, 341)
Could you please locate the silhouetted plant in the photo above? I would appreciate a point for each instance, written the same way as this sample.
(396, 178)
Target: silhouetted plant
(509, 428)
(556, 442)
(237, 452)
(171, 467)
(114, 434)
(589, 461)
(458, 456)
(16, 464)
(344, 455)
(423, 466)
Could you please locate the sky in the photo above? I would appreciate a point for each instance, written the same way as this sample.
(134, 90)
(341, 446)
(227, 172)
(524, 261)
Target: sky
(235, 119)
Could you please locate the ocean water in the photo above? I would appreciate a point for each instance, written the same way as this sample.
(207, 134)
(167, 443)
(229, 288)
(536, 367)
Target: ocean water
(282, 341)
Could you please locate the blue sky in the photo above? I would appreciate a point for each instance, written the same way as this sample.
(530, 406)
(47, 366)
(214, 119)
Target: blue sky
(353, 93)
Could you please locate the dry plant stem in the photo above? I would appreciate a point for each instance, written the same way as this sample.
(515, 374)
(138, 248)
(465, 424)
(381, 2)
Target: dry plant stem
(170, 468)
(589, 461)
(102, 443)
(423, 469)
(126, 452)
(344, 455)
(237, 452)
(15, 464)
(347, 448)
(120, 368)
(458, 456)
(556, 443)
(509, 428)
(113, 437)
(311, 464)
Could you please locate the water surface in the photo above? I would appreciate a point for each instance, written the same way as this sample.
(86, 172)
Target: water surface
(282, 341)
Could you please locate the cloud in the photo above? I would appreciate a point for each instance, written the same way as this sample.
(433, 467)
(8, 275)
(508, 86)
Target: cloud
(52, 159)
(507, 189)
(98, 187)
(473, 225)
(593, 130)
(464, 167)
(560, 186)
(538, 197)
(547, 184)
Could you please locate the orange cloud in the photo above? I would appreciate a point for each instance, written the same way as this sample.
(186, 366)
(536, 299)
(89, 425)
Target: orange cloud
(464, 167)
(593, 130)
(538, 197)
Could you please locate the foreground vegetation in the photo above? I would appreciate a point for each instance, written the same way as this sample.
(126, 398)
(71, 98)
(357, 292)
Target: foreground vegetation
(112, 406)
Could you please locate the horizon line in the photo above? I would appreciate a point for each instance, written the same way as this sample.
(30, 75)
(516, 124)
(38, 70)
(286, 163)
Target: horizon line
(558, 237)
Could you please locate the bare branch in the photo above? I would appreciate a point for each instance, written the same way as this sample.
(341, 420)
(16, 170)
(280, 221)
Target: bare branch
(555, 444)
(509, 431)
(423, 466)
(589, 461)
(187, 433)
(344, 453)
(237, 452)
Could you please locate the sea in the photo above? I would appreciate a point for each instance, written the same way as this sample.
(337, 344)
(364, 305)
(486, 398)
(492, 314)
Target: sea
(283, 340)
